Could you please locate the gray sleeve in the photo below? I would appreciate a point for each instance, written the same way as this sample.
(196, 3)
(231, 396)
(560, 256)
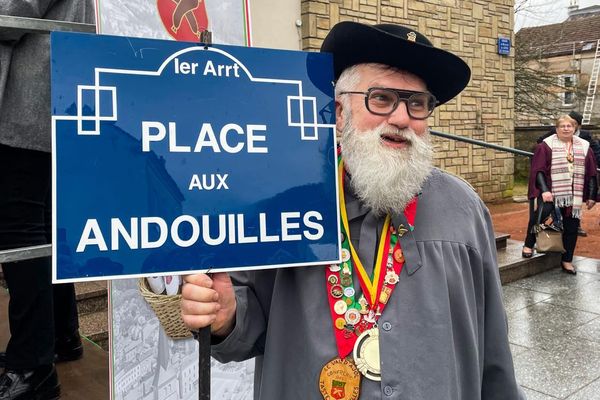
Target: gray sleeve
(253, 290)
(22, 8)
(498, 381)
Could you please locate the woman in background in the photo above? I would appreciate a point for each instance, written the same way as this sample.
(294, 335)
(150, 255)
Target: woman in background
(563, 172)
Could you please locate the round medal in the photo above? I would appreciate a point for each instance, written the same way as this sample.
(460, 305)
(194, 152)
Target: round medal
(340, 323)
(339, 379)
(366, 354)
(340, 307)
(332, 279)
(398, 256)
(346, 280)
(352, 316)
(337, 291)
(349, 291)
(345, 255)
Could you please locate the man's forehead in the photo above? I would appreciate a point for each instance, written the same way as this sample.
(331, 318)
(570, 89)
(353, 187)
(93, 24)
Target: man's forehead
(382, 75)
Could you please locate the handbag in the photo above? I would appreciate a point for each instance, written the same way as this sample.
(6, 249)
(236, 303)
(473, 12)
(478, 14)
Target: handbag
(549, 237)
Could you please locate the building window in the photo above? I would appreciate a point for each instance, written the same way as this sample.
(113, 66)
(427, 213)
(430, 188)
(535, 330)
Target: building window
(567, 82)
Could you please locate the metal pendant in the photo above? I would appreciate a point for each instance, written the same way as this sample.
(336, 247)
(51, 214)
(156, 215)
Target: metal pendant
(366, 354)
(339, 380)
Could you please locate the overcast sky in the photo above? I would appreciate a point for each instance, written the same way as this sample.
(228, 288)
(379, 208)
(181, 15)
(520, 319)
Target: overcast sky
(544, 12)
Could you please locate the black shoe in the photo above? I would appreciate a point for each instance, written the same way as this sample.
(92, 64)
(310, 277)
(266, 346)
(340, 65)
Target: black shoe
(581, 232)
(68, 348)
(34, 384)
(568, 271)
(526, 255)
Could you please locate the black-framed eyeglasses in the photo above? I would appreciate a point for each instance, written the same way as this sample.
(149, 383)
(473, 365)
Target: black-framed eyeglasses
(384, 101)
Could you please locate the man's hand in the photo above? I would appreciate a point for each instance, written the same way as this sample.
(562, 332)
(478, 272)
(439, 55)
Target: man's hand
(547, 197)
(209, 300)
(590, 204)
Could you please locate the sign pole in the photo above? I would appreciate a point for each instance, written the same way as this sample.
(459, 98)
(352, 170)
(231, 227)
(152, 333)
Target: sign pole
(203, 338)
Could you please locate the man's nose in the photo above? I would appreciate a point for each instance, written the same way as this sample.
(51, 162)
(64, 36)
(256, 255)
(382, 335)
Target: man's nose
(400, 117)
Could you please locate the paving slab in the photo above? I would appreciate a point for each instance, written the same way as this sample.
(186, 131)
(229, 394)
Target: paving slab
(559, 370)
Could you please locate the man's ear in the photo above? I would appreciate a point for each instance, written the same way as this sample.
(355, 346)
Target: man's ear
(339, 116)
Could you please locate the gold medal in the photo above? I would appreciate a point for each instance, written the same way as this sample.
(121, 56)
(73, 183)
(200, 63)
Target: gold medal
(337, 291)
(339, 380)
(346, 280)
(366, 354)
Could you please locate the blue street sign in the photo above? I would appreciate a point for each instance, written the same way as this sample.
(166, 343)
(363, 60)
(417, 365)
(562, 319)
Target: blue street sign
(170, 157)
(503, 46)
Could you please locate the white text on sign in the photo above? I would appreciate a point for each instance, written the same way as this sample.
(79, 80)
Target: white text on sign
(230, 138)
(190, 68)
(211, 230)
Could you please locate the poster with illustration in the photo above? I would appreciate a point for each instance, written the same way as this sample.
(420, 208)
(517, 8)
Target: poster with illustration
(228, 20)
(145, 363)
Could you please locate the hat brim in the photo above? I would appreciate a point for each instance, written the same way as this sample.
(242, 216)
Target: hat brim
(351, 43)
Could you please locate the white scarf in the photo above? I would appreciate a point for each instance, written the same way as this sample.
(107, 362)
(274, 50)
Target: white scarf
(567, 183)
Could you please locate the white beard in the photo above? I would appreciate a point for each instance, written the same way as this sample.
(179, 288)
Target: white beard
(385, 179)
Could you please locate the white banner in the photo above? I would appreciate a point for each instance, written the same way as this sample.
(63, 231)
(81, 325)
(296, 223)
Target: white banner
(145, 364)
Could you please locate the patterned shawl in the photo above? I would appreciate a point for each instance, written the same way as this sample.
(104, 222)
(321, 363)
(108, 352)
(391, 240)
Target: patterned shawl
(567, 184)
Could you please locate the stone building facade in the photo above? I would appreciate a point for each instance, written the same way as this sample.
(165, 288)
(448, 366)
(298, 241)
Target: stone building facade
(485, 110)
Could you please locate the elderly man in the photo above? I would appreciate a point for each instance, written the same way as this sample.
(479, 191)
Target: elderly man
(414, 311)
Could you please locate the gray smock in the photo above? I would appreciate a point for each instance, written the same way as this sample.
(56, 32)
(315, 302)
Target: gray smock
(443, 333)
(25, 71)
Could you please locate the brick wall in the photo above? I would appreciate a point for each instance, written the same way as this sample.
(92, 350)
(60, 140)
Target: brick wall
(484, 111)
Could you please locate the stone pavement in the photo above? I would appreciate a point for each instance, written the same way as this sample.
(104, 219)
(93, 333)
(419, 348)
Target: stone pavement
(554, 331)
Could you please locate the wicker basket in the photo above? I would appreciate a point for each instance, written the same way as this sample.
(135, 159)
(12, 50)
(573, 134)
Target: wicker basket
(167, 310)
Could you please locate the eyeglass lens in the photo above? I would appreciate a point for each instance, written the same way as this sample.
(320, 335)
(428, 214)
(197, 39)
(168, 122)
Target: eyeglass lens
(383, 101)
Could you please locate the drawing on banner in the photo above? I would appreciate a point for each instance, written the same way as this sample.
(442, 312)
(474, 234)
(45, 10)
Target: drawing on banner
(183, 19)
(147, 365)
(228, 20)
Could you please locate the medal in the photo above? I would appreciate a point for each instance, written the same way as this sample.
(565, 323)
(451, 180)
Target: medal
(398, 256)
(354, 322)
(337, 291)
(339, 380)
(391, 278)
(385, 294)
(366, 354)
(345, 255)
(352, 316)
(340, 307)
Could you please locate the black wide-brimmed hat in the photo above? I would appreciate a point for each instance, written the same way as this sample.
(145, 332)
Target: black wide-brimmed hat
(351, 43)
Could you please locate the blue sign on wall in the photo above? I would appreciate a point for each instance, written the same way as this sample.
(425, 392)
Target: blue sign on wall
(503, 46)
(172, 157)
